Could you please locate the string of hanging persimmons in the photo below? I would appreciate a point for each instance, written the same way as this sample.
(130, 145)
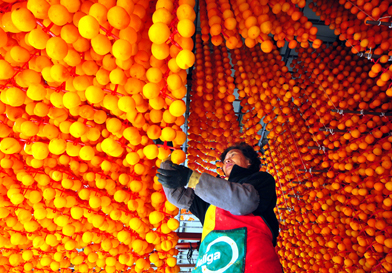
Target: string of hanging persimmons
(329, 126)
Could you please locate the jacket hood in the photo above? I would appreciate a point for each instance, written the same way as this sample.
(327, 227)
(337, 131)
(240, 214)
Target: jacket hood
(237, 173)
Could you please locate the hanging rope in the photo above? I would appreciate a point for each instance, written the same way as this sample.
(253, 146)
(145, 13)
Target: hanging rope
(190, 254)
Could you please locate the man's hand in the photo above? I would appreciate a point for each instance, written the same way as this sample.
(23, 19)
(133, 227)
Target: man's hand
(179, 177)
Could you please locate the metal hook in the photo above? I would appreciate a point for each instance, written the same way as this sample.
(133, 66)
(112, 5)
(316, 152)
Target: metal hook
(370, 54)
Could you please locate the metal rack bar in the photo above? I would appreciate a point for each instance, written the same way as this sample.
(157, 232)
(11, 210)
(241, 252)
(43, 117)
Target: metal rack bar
(372, 56)
(262, 134)
(379, 23)
(362, 113)
(321, 148)
(313, 171)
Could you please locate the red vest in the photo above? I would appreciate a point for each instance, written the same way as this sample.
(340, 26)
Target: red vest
(246, 239)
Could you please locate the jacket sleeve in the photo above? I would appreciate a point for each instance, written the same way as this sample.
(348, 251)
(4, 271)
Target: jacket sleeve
(239, 199)
(180, 197)
(185, 198)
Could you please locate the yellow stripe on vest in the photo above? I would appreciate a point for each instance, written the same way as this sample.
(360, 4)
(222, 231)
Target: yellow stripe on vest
(209, 221)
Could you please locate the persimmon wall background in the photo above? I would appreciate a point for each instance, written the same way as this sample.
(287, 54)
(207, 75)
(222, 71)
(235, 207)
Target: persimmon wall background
(89, 87)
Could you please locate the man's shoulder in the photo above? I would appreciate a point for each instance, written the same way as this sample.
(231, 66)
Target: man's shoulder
(258, 178)
(264, 175)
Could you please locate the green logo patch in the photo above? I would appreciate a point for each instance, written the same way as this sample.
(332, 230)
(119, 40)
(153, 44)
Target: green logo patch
(222, 251)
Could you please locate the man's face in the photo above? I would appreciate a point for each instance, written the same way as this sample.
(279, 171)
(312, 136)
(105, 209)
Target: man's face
(234, 156)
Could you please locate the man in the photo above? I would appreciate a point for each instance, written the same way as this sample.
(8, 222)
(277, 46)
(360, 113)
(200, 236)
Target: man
(239, 225)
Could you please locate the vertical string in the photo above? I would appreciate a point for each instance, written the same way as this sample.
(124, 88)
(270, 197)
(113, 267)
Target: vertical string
(280, 185)
(361, 10)
(327, 95)
(292, 188)
(299, 154)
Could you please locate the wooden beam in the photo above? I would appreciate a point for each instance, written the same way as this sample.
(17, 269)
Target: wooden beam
(189, 236)
(187, 245)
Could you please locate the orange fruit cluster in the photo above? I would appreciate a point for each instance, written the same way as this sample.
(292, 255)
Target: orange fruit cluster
(332, 168)
(348, 20)
(212, 121)
(254, 21)
(266, 89)
(330, 79)
(177, 31)
(80, 107)
(336, 215)
(217, 19)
